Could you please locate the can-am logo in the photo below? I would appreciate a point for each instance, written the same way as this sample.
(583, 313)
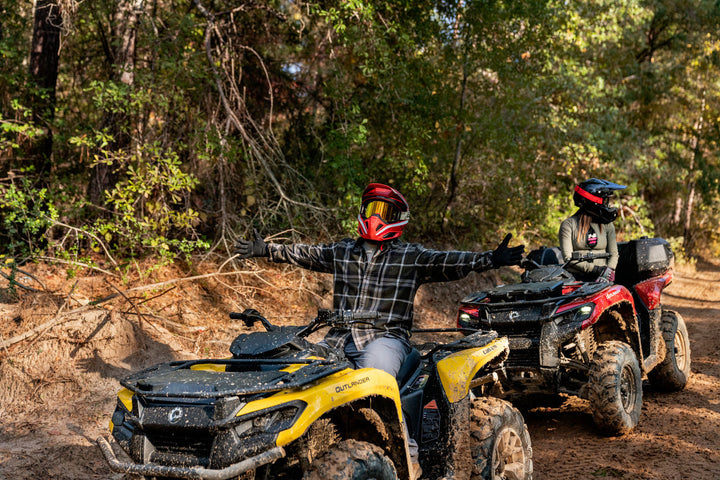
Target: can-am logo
(175, 414)
(354, 383)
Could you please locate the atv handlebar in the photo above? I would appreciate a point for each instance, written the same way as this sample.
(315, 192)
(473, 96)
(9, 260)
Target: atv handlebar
(343, 317)
(528, 264)
(325, 317)
(584, 257)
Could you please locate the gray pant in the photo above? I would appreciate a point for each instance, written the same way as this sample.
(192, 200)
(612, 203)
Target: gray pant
(384, 353)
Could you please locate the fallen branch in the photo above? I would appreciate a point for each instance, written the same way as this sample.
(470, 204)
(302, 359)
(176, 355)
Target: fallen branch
(140, 315)
(14, 283)
(63, 317)
(57, 320)
(158, 295)
(188, 279)
(108, 318)
(78, 264)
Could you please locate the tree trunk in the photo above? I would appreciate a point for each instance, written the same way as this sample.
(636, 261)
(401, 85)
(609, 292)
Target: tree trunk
(44, 60)
(688, 237)
(124, 31)
(452, 182)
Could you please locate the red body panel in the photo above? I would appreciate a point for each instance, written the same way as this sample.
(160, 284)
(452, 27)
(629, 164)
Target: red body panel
(603, 300)
(650, 290)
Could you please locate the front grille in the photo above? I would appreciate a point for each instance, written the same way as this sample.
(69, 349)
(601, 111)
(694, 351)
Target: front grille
(524, 339)
(197, 443)
(523, 358)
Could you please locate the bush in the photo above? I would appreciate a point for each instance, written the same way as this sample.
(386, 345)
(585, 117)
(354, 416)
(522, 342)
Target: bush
(26, 213)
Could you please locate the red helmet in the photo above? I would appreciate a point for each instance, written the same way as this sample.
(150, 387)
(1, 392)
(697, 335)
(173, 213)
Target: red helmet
(384, 213)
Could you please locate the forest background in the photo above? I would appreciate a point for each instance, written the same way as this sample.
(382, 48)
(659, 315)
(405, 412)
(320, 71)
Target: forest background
(136, 129)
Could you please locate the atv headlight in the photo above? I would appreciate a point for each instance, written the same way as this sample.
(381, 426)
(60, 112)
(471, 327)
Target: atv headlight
(584, 312)
(468, 318)
(270, 422)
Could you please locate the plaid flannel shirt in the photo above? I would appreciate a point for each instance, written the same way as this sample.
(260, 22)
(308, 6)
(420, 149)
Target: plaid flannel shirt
(385, 283)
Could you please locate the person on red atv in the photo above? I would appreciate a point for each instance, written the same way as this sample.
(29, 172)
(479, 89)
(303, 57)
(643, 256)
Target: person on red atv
(379, 273)
(591, 230)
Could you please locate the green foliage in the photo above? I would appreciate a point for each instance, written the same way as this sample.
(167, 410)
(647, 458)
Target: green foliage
(14, 132)
(26, 213)
(150, 205)
(681, 255)
(519, 100)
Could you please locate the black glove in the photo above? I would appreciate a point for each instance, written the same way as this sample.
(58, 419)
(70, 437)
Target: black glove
(503, 255)
(605, 274)
(254, 248)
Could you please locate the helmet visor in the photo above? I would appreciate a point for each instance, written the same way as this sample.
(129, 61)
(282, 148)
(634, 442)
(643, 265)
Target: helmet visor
(386, 211)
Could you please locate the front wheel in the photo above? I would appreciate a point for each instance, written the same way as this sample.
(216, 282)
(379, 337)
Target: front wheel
(349, 460)
(615, 388)
(500, 442)
(672, 374)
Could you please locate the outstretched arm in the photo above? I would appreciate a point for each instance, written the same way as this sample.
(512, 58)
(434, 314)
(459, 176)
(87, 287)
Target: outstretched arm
(312, 257)
(441, 266)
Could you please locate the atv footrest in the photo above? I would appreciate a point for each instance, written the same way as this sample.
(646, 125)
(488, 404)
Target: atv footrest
(197, 473)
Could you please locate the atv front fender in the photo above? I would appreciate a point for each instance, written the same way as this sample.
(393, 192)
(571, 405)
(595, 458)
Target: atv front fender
(457, 370)
(197, 473)
(341, 388)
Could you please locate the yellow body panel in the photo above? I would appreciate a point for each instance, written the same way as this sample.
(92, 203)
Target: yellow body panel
(125, 397)
(335, 390)
(220, 367)
(211, 367)
(457, 370)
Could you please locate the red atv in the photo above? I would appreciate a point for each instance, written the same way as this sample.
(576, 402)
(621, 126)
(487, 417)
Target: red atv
(590, 339)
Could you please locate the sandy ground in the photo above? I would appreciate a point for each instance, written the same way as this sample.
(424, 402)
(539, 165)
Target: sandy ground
(57, 386)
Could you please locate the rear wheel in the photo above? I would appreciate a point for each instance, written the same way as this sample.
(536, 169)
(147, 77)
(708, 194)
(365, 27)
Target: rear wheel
(500, 442)
(615, 388)
(672, 373)
(351, 459)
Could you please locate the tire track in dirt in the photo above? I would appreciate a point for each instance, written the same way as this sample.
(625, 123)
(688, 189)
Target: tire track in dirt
(677, 437)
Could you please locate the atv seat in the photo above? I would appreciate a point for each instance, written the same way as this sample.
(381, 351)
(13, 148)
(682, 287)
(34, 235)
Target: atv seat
(409, 366)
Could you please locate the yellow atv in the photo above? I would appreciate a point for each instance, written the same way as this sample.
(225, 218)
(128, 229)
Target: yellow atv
(284, 408)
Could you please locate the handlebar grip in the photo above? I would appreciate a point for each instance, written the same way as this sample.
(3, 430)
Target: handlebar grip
(236, 316)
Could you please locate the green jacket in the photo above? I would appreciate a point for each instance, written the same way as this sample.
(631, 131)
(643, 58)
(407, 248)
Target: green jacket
(606, 242)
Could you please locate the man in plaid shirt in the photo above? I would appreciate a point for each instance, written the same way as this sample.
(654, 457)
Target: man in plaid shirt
(379, 273)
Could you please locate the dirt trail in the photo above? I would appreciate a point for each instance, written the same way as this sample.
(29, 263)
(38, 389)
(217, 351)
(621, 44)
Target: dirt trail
(58, 391)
